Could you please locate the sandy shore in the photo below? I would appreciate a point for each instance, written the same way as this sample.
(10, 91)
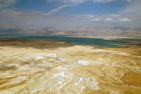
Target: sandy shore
(49, 67)
(108, 37)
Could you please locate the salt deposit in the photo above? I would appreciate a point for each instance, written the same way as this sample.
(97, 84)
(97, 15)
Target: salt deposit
(48, 55)
(82, 62)
(62, 74)
(83, 87)
(45, 71)
(39, 57)
(62, 59)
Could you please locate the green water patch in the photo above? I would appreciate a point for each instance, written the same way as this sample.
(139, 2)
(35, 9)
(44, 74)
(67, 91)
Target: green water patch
(77, 40)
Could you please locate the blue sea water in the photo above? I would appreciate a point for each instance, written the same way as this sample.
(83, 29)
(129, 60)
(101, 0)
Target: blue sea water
(76, 40)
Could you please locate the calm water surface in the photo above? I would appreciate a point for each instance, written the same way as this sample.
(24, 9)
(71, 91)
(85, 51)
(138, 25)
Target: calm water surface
(77, 40)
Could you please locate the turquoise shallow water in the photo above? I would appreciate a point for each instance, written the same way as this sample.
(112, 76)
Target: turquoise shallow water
(76, 40)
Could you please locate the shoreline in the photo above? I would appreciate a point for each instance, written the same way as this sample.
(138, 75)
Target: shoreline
(106, 37)
(44, 42)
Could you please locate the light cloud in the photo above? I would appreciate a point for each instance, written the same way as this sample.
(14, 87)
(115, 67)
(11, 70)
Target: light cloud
(58, 8)
(133, 11)
(68, 1)
(106, 1)
(104, 18)
(108, 19)
(124, 20)
(133, 8)
(81, 1)
(11, 17)
(41, 20)
(7, 3)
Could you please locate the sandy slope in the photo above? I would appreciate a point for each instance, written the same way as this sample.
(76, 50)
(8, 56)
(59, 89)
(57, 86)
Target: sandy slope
(48, 67)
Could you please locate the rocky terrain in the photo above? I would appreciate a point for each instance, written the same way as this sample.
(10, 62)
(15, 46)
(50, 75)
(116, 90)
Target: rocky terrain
(49, 67)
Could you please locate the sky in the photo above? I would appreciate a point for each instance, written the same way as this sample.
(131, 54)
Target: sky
(70, 13)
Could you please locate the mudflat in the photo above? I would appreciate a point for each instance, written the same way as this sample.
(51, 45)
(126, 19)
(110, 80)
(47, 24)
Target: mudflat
(51, 67)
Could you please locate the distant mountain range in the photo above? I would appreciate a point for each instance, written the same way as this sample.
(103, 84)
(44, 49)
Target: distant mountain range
(79, 31)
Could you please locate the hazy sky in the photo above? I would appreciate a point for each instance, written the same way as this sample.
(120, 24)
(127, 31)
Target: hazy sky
(70, 13)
